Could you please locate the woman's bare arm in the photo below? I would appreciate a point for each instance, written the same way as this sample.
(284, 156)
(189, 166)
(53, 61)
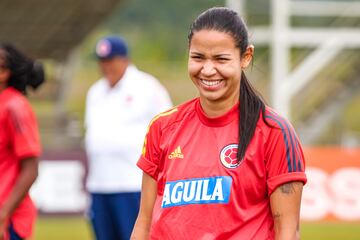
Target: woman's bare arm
(148, 195)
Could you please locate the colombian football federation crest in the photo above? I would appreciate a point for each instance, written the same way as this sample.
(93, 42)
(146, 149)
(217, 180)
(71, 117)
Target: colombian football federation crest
(228, 156)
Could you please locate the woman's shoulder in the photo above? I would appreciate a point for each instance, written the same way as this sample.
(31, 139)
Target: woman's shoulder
(274, 119)
(15, 104)
(273, 122)
(175, 114)
(11, 97)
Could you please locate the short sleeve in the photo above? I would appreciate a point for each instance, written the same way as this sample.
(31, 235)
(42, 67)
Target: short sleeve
(24, 132)
(149, 159)
(284, 156)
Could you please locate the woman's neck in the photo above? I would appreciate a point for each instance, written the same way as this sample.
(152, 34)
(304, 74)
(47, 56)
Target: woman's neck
(218, 107)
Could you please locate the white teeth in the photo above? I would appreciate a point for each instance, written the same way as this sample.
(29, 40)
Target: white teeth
(210, 83)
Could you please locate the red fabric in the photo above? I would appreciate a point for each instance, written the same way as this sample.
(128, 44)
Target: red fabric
(247, 215)
(19, 139)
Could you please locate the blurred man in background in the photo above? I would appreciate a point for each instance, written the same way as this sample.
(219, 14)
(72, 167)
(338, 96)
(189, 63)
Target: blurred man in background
(119, 108)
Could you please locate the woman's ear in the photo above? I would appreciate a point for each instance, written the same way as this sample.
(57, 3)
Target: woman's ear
(247, 56)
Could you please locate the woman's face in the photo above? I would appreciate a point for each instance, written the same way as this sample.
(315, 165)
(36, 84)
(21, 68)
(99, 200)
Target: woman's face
(215, 66)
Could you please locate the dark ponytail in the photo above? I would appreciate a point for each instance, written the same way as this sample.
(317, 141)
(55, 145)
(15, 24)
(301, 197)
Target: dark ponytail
(37, 75)
(228, 21)
(23, 70)
(250, 107)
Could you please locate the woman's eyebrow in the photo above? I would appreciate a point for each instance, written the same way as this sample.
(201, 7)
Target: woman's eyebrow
(196, 53)
(223, 55)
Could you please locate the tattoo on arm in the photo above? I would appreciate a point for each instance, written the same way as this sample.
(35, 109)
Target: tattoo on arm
(288, 188)
(276, 215)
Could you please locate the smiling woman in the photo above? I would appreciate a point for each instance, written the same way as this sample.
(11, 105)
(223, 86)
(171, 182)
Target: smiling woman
(241, 171)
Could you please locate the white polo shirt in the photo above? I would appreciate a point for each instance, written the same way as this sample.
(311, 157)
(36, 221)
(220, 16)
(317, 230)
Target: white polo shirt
(116, 121)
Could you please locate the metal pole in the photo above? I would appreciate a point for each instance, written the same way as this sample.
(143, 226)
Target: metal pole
(237, 5)
(280, 55)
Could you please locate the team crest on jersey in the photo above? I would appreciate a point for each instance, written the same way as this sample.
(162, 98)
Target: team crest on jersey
(228, 156)
(197, 191)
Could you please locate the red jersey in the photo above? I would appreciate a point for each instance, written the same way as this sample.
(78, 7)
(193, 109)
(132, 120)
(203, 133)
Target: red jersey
(203, 191)
(19, 139)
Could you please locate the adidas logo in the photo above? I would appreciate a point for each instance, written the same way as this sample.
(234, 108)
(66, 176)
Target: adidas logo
(176, 153)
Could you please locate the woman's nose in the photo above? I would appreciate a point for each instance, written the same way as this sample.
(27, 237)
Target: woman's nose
(208, 68)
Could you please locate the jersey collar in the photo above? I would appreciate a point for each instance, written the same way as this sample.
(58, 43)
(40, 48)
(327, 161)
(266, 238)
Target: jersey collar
(231, 115)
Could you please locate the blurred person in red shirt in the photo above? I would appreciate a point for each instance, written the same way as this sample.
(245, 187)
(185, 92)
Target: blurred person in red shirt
(19, 142)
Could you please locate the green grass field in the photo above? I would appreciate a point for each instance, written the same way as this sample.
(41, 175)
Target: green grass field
(62, 228)
(75, 228)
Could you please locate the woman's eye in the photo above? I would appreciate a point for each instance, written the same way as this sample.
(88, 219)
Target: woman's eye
(222, 59)
(197, 58)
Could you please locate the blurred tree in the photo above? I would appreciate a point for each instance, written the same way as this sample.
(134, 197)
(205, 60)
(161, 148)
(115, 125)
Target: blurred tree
(157, 29)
